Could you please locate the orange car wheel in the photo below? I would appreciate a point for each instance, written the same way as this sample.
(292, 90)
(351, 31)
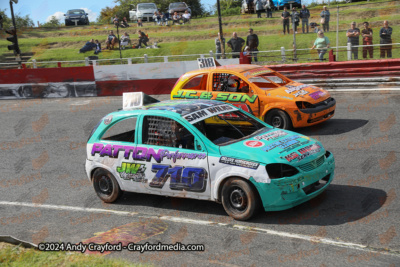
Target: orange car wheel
(278, 119)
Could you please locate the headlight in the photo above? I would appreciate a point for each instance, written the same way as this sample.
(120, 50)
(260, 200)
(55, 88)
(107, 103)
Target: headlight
(279, 170)
(304, 105)
(82, 17)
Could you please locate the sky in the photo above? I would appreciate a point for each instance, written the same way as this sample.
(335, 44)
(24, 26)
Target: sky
(43, 10)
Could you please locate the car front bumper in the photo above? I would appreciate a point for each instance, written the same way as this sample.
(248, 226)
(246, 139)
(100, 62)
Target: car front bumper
(286, 193)
(312, 116)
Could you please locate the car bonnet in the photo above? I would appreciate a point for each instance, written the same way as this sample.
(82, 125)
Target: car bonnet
(275, 146)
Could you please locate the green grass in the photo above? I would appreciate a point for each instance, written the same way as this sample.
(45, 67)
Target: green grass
(63, 43)
(11, 255)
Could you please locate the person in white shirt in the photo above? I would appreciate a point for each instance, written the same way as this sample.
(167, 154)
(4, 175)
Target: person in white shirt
(125, 40)
(186, 17)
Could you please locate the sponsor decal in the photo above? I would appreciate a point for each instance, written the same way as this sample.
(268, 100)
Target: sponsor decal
(143, 153)
(317, 94)
(308, 150)
(294, 146)
(285, 97)
(297, 90)
(192, 179)
(132, 171)
(231, 97)
(271, 136)
(291, 156)
(252, 143)
(283, 143)
(107, 120)
(207, 112)
(239, 163)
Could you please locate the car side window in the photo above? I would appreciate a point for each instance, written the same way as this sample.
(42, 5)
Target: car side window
(198, 82)
(226, 82)
(162, 131)
(123, 130)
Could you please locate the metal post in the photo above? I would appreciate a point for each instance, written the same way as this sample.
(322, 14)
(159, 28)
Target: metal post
(119, 45)
(34, 63)
(165, 59)
(211, 53)
(283, 53)
(220, 30)
(94, 62)
(294, 37)
(17, 51)
(129, 61)
(86, 61)
(348, 51)
(201, 56)
(146, 58)
(337, 34)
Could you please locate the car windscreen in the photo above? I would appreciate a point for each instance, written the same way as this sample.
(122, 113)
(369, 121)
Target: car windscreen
(176, 5)
(147, 6)
(76, 12)
(270, 80)
(230, 127)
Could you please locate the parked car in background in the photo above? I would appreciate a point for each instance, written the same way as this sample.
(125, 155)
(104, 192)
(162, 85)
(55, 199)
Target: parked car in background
(179, 7)
(143, 11)
(76, 15)
(279, 4)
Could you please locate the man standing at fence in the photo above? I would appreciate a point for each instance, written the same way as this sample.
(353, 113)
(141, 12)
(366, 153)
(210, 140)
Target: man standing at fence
(304, 15)
(295, 19)
(353, 37)
(252, 43)
(367, 40)
(285, 18)
(386, 38)
(236, 43)
(325, 16)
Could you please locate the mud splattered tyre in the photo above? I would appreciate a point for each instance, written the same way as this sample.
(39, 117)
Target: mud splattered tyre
(239, 199)
(278, 119)
(106, 186)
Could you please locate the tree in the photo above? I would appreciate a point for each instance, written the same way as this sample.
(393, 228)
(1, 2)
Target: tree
(53, 22)
(107, 13)
(7, 23)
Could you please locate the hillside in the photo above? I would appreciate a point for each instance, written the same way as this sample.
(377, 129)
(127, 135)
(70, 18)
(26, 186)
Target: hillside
(63, 43)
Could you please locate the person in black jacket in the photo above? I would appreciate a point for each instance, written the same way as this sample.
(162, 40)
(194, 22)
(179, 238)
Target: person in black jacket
(304, 15)
(252, 43)
(386, 38)
(285, 19)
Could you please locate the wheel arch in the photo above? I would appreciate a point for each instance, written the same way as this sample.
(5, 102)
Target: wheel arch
(96, 167)
(223, 182)
(265, 113)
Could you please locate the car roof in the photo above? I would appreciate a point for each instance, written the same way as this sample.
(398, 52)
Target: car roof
(172, 107)
(241, 68)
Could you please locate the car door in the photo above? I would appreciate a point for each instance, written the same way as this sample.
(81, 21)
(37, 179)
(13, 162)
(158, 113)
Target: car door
(235, 89)
(176, 159)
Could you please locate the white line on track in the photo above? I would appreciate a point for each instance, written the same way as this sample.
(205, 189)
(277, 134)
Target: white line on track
(363, 90)
(314, 239)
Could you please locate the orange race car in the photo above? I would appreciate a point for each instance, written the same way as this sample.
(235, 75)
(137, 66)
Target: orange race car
(261, 91)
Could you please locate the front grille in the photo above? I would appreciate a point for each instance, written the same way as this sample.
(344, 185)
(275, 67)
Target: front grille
(317, 185)
(312, 164)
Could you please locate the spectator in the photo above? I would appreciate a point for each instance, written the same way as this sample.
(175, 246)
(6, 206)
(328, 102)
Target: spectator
(139, 23)
(314, 26)
(176, 18)
(97, 48)
(259, 7)
(304, 15)
(321, 43)
(367, 40)
(249, 6)
(285, 17)
(252, 43)
(268, 8)
(236, 43)
(111, 40)
(116, 21)
(295, 19)
(157, 18)
(143, 39)
(218, 48)
(186, 17)
(325, 16)
(386, 38)
(90, 45)
(166, 18)
(124, 23)
(125, 40)
(353, 37)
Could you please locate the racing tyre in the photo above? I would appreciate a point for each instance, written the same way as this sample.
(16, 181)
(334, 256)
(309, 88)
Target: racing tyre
(278, 119)
(239, 199)
(106, 186)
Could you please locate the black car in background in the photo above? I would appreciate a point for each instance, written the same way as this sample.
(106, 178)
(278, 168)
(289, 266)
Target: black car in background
(179, 7)
(78, 15)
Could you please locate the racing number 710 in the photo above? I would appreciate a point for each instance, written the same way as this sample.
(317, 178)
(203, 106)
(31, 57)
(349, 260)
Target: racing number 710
(182, 178)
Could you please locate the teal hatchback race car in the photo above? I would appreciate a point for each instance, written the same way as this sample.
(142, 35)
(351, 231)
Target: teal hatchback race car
(204, 149)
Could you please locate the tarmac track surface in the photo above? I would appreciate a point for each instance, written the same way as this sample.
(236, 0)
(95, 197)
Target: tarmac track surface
(45, 195)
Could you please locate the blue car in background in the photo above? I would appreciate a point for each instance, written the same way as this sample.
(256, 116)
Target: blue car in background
(279, 4)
